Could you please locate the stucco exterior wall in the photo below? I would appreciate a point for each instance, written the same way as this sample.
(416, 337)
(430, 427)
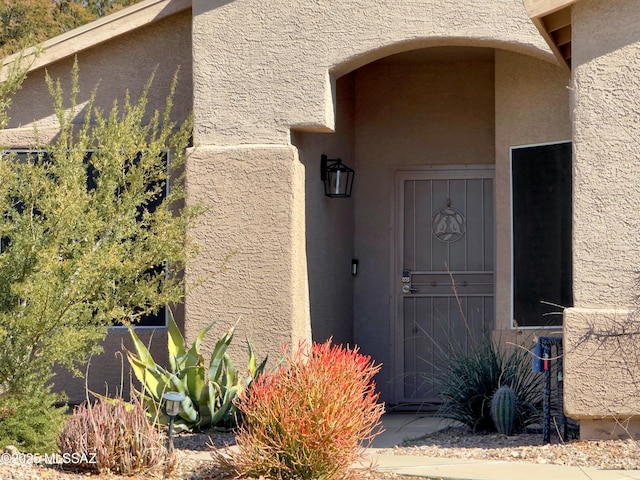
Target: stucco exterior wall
(602, 374)
(165, 46)
(428, 107)
(251, 269)
(532, 106)
(264, 69)
(330, 224)
(606, 110)
(265, 66)
(607, 129)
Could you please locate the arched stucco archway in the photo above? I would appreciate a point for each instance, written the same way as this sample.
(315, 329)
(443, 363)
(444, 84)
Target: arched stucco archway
(424, 108)
(263, 67)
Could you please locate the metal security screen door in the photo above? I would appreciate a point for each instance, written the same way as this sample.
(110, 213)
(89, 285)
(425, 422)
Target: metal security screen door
(444, 273)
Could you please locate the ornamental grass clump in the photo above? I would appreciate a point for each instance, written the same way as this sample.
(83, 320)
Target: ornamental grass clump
(114, 436)
(470, 379)
(310, 419)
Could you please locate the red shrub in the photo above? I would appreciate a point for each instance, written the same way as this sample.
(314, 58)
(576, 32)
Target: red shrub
(310, 419)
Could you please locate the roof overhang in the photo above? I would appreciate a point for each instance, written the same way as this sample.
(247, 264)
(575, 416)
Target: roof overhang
(96, 32)
(553, 20)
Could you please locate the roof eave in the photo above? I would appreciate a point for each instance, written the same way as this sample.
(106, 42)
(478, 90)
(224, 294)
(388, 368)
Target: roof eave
(541, 8)
(96, 32)
(540, 11)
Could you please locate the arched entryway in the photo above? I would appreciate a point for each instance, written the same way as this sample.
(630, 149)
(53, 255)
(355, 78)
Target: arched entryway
(428, 132)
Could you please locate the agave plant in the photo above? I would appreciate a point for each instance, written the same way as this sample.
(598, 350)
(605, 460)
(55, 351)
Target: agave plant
(209, 390)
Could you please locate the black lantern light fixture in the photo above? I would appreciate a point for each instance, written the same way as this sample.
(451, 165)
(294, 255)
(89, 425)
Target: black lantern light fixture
(172, 402)
(337, 177)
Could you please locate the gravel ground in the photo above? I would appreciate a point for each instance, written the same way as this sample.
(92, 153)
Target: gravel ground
(460, 443)
(451, 443)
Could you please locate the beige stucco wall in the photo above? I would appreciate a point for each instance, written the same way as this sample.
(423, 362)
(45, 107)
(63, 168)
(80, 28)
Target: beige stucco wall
(532, 106)
(264, 69)
(411, 114)
(602, 376)
(329, 224)
(265, 66)
(255, 197)
(430, 107)
(125, 62)
(607, 126)
(165, 45)
(606, 110)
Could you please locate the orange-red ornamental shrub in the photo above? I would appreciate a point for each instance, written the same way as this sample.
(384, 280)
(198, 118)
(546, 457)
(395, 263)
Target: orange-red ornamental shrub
(310, 419)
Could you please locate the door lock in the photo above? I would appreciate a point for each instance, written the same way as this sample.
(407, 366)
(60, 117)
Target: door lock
(406, 276)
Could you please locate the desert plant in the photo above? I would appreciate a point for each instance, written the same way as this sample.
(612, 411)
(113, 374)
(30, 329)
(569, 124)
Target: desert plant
(29, 422)
(503, 410)
(309, 419)
(209, 391)
(84, 244)
(114, 436)
(471, 377)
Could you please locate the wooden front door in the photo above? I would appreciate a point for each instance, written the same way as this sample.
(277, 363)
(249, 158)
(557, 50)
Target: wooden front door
(444, 280)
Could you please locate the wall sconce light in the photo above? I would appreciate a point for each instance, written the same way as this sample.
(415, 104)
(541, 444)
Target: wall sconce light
(172, 402)
(337, 177)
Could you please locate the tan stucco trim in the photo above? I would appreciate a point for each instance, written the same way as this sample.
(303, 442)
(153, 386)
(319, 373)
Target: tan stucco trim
(98, 31)
(599, 378)
(28, 137)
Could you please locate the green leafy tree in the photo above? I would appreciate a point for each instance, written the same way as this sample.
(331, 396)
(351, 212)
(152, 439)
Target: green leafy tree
(24, 23)
(87, 240)
(100, 8)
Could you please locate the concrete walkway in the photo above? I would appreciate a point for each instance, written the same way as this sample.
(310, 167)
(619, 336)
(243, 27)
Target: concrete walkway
(399, 427)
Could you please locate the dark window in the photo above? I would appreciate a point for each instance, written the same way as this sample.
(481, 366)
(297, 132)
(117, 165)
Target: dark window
(159, 319)
(541, 185)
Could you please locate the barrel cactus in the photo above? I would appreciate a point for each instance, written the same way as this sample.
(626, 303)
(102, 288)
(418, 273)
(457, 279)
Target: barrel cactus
(503, 410)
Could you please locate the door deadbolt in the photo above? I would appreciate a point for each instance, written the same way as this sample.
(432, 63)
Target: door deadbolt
(406, 276)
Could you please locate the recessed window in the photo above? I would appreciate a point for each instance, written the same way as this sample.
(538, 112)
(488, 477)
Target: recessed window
(159, 319)
(541, 195)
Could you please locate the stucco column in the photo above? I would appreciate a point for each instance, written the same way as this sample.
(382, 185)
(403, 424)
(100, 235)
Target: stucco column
(599, 378)
(252, 265)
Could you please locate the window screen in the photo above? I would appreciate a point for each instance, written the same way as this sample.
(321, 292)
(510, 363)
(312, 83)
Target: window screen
(541, 185)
